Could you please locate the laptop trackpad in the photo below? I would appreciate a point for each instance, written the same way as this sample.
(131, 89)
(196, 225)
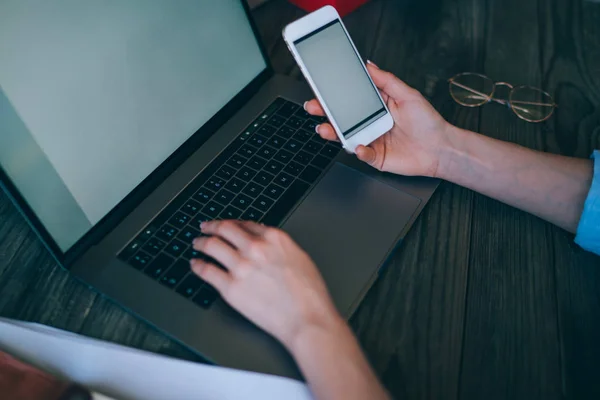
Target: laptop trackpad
(348, 224)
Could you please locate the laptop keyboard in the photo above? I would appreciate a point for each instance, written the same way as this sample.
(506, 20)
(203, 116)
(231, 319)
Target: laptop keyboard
(259, 177)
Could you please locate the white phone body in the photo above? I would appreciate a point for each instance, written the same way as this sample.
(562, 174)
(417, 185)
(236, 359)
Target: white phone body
(339, 79)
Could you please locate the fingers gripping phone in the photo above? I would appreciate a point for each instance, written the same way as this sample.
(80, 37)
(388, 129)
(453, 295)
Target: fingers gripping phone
(334, 70)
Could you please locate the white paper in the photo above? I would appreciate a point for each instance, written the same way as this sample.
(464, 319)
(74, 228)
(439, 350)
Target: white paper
(124, 373)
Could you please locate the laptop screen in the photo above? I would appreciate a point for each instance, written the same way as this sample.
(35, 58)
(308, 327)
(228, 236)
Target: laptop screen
(95, 95)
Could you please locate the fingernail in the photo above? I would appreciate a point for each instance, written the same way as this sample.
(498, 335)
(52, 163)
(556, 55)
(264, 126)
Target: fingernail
(372, 63)
(195, 263)
(317, 128)
(304, 105)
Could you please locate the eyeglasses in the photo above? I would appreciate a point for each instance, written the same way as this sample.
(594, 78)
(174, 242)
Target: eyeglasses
(474, 90)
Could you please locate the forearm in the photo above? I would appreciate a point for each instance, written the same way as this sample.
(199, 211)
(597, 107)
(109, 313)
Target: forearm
(550, 186)
(334, 365)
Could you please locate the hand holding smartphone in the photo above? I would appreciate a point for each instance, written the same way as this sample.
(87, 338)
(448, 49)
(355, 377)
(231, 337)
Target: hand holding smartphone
(339, 79)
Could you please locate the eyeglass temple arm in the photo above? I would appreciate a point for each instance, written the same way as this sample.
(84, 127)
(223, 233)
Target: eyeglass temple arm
(533, 103)
(460, 85)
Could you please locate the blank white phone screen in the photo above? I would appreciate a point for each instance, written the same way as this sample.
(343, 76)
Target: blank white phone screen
(338, 74)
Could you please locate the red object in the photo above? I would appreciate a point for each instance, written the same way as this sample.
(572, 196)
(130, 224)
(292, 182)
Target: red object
(344, 7)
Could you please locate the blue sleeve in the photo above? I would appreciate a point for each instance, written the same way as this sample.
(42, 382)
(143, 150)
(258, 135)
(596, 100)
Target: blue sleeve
(588, 231)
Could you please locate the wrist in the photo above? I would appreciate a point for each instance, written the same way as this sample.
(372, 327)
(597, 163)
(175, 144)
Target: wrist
(319, 331)
(451, 152)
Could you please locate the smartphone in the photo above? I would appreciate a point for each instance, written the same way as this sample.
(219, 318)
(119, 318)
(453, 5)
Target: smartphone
(339, 79)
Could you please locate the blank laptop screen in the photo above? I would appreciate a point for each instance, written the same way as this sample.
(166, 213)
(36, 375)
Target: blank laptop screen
(95, 95)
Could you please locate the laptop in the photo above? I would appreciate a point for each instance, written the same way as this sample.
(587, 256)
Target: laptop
(125, 124)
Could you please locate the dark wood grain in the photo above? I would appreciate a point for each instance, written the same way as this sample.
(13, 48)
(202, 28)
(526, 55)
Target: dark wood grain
(481, 300)
(514, 327)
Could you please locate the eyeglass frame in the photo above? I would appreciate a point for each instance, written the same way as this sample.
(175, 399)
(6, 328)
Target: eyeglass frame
(490, 98)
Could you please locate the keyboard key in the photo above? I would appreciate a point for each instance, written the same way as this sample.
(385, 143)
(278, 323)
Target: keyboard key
(283, 179)
(179, 220)
(231, 213)
(283, 156)
(246, 174)
(286, 131)
(212, 209)
(276, 141)
(258, 140)
(267, 130)
(140, 260)
(285, 203)
(254, 126)
(191, 208)
(318, 139)
(312, 147)
(301, 113)
(176, 273)
(293, 145)
(191, 253)
(176, 248)
(253, 189)
(310, 174)
(190, 285)
(329, 151)
(188, 234)
(320, 161)
(224, 197)
(274, 166)
(247, 150)
(215, 183)
(263, 203)
(288, 108)
(252, 214)
(167, 233)
(303, 157)
(274, 191)
(250, 130)
(276, 121)
(147, 233)
(235, 185)
(198, 219)
(303, 136)
(158, 266)
(267, 152)
(244, 135)
(204, 195)
(310, 125)
(206, 296)
(257, 163)
(242, 201)
(130, 249)
(294, 168)
(154, 246)
(295, 122)
(264, 178)
(225, 172)
(236, 161)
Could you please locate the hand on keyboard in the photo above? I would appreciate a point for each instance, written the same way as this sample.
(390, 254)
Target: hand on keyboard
(268, 278)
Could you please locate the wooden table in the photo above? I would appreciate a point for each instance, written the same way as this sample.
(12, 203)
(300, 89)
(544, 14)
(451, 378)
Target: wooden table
(482, 301)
